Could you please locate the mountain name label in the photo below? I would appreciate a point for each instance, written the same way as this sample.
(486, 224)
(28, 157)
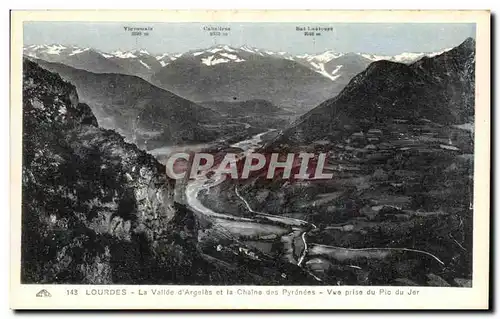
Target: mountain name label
(138, 31)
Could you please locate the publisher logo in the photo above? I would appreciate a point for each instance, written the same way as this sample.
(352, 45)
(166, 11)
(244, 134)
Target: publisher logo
(43, 293)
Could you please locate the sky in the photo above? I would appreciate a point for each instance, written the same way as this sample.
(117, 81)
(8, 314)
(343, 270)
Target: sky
(373, 38)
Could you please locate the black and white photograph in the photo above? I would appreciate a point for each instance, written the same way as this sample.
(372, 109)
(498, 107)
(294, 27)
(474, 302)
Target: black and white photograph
(255, 154)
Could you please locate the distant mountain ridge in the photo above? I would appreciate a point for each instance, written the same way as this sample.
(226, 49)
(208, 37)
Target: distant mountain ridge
(137, 109)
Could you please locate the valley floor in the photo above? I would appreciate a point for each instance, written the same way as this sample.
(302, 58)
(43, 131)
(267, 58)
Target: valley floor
(397, 211)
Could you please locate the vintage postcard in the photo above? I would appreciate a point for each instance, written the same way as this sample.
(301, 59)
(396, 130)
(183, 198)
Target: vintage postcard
(250, 159)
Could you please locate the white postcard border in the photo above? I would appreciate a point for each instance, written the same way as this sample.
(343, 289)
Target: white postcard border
(24, 296)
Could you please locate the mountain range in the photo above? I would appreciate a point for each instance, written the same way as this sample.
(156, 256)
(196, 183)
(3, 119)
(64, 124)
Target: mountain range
(224, 73)
(58, 52)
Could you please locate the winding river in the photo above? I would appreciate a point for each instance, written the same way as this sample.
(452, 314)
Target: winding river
(194, 187)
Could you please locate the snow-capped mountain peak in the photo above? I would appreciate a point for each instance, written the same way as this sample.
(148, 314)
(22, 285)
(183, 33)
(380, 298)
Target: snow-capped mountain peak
(128, 54)
(123, 54)
(228, 48)
(327, 56)
(375, 57)
(162, 56)
(166, 58)
(405, 57)
(208, 57)
(323, 57)
(212, 60)
(50, 49)
(248, 49)
(55, 49)
(78, 51)
(221, 57)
